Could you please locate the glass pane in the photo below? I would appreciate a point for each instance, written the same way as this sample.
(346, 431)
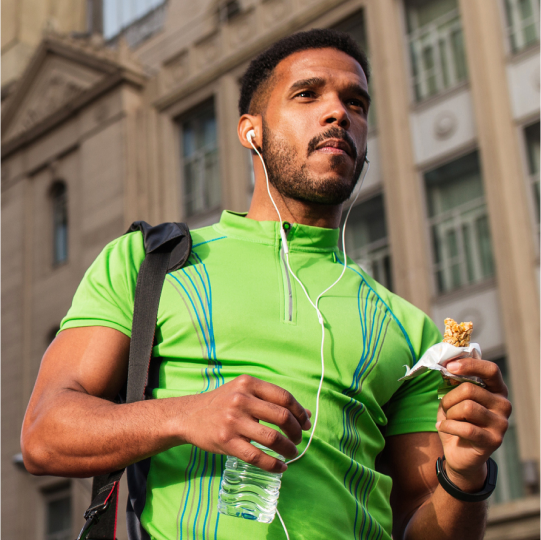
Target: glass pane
(510, 484)
(200, 155)
(118, 14)
(60, 224)
(460, 230)
(454, 184)
(485, 248)
(437, 52)
(459, 55)
(59, 515)
(468, 252)
(366, 239)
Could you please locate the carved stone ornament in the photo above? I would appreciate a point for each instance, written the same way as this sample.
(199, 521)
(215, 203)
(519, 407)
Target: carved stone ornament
(58, 90)
(208, 50)
(176, 70)
(445, 125)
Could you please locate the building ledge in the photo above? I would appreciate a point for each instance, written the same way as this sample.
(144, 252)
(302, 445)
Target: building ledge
(516, 519)
(528, 506)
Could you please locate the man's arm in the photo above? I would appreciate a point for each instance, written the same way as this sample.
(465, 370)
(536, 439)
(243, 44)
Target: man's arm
(471, 425)
(73, 428)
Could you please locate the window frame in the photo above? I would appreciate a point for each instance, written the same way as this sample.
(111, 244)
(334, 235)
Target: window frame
(180, 122)
(507, 28)
(430, 220)
(377, 244)
(56, 196)
(50, 494)
(407, 36)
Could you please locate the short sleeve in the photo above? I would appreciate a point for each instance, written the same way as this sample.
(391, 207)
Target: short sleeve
(106, 294)
(414, 406)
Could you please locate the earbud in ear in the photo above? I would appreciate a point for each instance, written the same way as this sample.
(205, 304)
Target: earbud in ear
(250, 135)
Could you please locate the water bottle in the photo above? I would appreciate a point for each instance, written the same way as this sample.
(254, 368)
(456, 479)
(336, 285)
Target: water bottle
(249, 492)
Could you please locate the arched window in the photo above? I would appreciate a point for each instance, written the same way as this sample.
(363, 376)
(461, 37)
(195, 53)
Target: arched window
(59, 196)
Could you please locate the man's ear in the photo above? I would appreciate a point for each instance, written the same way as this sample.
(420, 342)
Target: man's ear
(248, 123)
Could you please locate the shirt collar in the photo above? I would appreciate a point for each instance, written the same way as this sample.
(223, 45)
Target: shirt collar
(300, 237)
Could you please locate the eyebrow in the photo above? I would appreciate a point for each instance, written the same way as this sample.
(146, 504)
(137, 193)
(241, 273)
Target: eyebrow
(320, 81)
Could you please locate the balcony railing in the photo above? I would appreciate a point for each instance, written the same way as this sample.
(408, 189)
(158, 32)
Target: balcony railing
(437, 55)
(522, 23)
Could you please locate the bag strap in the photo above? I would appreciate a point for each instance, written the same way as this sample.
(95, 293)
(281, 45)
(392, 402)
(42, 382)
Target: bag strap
(167, 248)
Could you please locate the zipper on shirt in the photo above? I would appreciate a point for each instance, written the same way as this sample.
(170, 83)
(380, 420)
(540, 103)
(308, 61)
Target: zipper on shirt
(286, 278)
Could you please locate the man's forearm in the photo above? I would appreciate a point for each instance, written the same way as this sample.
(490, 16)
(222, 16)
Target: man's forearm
(82, 435)
(442, 517)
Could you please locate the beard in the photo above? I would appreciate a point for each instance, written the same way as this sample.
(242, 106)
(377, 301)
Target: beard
(297, 182)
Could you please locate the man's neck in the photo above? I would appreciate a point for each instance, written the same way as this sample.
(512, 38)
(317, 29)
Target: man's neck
(305, 213)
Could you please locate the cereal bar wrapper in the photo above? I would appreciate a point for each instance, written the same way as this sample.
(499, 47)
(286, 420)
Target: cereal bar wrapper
(437, 357)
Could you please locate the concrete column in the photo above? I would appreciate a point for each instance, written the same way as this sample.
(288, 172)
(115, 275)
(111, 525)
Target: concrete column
(233, 159)
(403, 193)
(506, 194)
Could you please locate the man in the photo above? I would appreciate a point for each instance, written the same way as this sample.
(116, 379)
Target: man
(238, 350)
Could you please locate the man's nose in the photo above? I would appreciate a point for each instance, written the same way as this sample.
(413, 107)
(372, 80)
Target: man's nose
(336, 113)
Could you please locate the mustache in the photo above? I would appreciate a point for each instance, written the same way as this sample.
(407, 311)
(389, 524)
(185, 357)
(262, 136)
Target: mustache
(333, 133)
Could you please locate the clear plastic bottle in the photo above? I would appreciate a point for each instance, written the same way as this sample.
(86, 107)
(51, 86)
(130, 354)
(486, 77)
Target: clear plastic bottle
(249, 492)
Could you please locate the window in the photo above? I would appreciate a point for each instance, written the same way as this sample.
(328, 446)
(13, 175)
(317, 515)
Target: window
(355, 27)
(59, 196)
(510, 483)
(58, 514)
(459, 224)
(522, 18)
(436, 46)
(531, 134)
(366, 239)
(118, 14)
(200, 159)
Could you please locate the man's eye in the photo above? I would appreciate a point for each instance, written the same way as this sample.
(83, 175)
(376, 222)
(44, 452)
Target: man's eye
(358, 103)
(306, 94)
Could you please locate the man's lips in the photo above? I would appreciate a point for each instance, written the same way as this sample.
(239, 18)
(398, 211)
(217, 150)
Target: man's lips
(334, 146)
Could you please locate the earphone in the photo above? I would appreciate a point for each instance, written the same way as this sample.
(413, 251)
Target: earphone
(250, 135)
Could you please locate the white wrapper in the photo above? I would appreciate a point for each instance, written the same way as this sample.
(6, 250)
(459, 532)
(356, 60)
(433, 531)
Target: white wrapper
(438, 356)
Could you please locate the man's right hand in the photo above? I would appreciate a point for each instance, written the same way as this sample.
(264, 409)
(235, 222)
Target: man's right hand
(225, 420)
(72, 427)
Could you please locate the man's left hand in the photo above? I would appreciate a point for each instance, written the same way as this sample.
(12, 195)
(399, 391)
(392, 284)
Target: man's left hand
(472, 422)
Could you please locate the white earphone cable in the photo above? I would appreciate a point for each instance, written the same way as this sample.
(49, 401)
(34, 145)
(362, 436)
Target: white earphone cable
(314, 305)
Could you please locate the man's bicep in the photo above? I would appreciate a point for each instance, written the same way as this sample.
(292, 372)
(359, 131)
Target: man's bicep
(410, 460)
(91, 359)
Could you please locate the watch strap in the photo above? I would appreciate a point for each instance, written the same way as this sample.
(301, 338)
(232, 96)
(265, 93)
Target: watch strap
(457, 493)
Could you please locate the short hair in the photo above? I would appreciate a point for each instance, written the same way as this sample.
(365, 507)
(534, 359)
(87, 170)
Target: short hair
(262, 67)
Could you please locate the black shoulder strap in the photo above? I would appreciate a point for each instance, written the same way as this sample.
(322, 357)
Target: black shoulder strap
(167, 248)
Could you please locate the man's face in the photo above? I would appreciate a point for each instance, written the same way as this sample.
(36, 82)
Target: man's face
(315, 126)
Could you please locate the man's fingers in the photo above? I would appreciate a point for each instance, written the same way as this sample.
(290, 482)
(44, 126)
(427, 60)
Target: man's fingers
(474, 413)
(471, 392)
(254, 456)
(488, 371)
(274, 394)
(278, 416)
(476, 435)
(270, 438)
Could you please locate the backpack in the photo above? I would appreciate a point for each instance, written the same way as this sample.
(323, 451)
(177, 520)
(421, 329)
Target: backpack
(167, 247)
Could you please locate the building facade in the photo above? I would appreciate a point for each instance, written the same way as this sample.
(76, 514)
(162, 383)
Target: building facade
(128, 110)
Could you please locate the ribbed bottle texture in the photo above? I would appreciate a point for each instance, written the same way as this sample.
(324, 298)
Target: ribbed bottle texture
(249, 492)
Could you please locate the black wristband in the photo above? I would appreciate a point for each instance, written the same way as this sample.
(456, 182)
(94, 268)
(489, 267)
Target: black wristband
(454, 491)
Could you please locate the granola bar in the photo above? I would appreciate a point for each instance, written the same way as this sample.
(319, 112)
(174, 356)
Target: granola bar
(457, 334)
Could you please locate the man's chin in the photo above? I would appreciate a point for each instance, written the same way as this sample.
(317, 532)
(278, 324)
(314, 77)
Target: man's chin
(330, 191)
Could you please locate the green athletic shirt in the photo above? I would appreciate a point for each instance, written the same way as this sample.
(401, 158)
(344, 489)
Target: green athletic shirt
(233, 309)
